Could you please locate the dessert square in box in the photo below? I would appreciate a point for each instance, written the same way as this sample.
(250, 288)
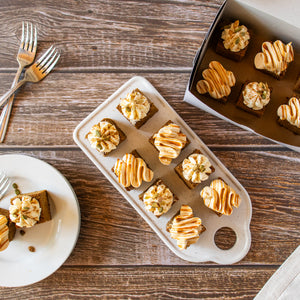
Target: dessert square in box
(237, 49)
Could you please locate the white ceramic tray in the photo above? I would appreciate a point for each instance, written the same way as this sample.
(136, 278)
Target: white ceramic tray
(205, 248)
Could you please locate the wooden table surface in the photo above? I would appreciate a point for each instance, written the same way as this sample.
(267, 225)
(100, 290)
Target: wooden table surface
(103, 44)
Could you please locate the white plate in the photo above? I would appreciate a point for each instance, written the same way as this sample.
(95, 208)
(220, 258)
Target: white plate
(205, 248)
(53, 240)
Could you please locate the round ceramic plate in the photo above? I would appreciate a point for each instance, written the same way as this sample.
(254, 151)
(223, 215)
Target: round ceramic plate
(53, 240)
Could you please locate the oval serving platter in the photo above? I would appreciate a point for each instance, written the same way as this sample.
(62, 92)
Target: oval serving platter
(138, 139)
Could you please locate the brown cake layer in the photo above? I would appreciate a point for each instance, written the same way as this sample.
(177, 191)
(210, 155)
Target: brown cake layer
(151, 140)
(278, 77)
(42, 198)
(10, 224)
(297, 85)
(289, 126)
(236, 56)
(153, 110)
(240, 103)
(179, 170)
(135, 154)
(158, 182)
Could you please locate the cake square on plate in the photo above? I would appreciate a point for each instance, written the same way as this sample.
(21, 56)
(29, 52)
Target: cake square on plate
(194, 169)
(137, 108)
(158, 198)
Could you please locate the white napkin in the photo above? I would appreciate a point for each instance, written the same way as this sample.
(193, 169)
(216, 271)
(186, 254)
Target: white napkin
(285, 283)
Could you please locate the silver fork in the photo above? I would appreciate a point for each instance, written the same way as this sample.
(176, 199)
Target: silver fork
(25, 57)
(36, 72)
(4, 184)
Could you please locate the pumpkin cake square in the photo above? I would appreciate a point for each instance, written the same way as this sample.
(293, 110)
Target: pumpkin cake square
(105, 136)
(158, 198)
(132, 170)
(254, 97)
(217, 82)
(274, 58)
(185, 227)
(289, 115)
(137, 108)
(220, 197)
(233, 42)
(194, 169)
(11, 226)
(29, 209)
(169, 141)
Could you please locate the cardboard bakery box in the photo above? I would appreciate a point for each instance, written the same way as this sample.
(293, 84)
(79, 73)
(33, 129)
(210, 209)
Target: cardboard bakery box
(266, 21)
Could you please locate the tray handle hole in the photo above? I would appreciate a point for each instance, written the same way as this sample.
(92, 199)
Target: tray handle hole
(225, 238)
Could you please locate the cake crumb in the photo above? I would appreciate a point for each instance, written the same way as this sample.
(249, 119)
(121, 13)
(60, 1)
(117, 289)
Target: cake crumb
(22, 232)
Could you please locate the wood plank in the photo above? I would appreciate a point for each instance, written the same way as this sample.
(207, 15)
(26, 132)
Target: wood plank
(66, 99)
(110, 34)
(147, 283)
(112, 233)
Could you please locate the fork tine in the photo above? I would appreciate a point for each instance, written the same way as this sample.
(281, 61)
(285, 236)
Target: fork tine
(42, 64)
(27, 37)
(31, 38)
(22, 38)
(3, 183)
(2, 176)
(49, 62)
(48, 70)
(35, 39)
(43, 56)
(4, 187)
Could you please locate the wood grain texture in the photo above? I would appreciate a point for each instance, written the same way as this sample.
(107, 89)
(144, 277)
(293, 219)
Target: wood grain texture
(110, 34)
(147, 283)
(112, 232)
(66, 99)
(103, 44)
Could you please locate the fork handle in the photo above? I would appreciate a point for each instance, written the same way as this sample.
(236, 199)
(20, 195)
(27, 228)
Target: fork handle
(6, 96)
(4, 118)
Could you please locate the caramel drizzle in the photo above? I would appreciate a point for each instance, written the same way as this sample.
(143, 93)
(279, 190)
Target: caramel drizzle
(169, 141)
(220, 197)
(217, 81)
(290, 112)
(185, 227)
(132, 171)
(4, 242)
(276, 56)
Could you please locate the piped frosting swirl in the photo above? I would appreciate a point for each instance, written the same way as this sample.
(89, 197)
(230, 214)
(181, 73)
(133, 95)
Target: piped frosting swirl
(104, 137)
(220, 197)
(256, 95)
(135, 106)
(217, 81)
(25, 211)
(235, 37)
(274, 57)
(158, 199)
(196, 168)
(4, 241)
(185, 228)
(169, 141)
(131, 171)
(290, 112)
